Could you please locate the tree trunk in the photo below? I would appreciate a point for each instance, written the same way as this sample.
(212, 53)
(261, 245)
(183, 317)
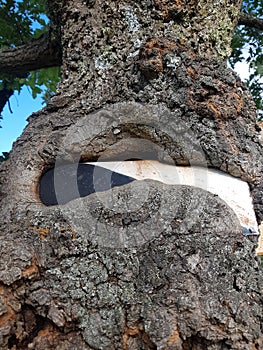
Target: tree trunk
(144, 265)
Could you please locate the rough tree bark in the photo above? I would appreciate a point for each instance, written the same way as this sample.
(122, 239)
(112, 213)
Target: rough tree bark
(147, 265)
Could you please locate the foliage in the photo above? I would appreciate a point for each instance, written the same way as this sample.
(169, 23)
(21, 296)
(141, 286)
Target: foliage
(20, 22)
(17, 18)
(42, 81)
(247, 47)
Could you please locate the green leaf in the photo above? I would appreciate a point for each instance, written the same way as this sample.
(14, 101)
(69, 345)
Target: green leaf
(247, 46)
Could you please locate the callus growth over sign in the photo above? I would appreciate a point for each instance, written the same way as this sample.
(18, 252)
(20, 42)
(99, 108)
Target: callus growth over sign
(67, 182)
(232, 190)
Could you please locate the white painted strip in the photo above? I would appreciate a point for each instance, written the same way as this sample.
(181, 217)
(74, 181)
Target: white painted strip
(232, 190)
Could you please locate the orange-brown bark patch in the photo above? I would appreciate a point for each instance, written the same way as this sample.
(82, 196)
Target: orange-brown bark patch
(258, 343)
(174, 337)
(191, 72)
(47, 332)
(215, 109)
(9, 316)
(239, 101)
(43, 232)
(69, 229)
(151, 55)
(129, 332)
(136, 331)
(218, 113)
(31, 270)
(161, 44)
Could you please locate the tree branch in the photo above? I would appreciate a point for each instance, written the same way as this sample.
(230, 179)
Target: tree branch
(40, 53)
(5, 94)
(250, 21)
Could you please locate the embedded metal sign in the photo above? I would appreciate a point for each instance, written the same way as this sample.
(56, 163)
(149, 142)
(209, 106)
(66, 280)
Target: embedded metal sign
(101, 176)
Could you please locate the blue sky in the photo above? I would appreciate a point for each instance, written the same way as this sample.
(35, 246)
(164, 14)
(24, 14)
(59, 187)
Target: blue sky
(22, 106)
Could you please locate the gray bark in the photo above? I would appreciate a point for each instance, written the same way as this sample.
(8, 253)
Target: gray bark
(147, 265)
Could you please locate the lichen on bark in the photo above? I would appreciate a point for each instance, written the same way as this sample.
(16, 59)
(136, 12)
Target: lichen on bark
(174, 272)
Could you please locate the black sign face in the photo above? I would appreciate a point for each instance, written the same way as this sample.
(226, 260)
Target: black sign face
(70, 181)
